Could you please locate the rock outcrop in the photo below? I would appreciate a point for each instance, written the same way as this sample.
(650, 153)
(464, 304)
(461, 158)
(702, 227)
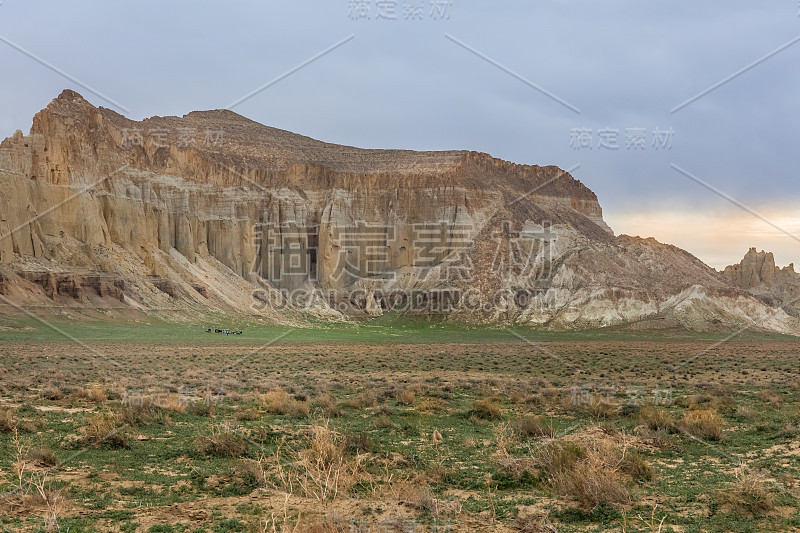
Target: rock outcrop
(774, 285)
(212, 212)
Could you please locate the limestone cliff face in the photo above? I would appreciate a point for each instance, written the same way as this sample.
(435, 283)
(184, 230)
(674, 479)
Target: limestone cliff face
(215, 212)
(777, 286)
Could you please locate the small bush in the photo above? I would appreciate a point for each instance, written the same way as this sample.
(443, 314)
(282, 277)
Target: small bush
(749, 495)
(383, 422)
(247, 414)
(144, 415)
(94, 393)
(533, 426)
(327, 404)
(358, 443)
(41, 456)
(704, 424)
(405, 396)
(223, 441)
(486, 409)
(637, 467)
(431, 405)
(594, 474)
(280, 402)
(8, 422)
(656, 418)
(105, 430)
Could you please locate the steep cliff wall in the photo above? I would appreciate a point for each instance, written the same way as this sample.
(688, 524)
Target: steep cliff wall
(214, 212)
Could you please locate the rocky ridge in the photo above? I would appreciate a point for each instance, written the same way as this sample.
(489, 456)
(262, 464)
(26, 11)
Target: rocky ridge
(212, 212)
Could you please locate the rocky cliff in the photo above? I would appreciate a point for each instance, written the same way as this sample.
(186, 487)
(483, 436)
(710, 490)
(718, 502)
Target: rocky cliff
(774, 285)
(212, 212)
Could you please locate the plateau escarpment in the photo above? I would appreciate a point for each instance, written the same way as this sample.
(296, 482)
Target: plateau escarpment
(212, 212)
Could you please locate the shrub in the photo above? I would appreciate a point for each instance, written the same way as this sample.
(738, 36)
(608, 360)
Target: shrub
(748, 495)
(94, 393)
(633, 464)
(593, 481)
(656, 418)
(327, 404)
(486, 409)
(594, 473)
(704, 424)
(247, 414)
(405, 396)
(41, 456)
(144, 415)
(106, 430)
(383, 422)
(7, 421)
(280, 402)
(533, 426)
(223, 441)
(431, 405)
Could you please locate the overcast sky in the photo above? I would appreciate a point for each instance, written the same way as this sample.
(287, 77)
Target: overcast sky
(531, 82)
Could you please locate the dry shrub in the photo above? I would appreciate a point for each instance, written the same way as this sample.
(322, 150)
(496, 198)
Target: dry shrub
(383, 422)
(42, 457)
(323, 469)
(594, 473)
(369, 398)
(92, 393)
(8, 422)
(144, 415)
(327, 404)
(280, 402)
(770, 397)
(486, 409)
(594, 481)
(422, 499)
(405, 396)
(704, 424)
(222, 441)
(517, 396)
(748, 495)
(656, 418)
(431, 406)
(105, 429)
(533, 524)
(534, 426)
(247, 414)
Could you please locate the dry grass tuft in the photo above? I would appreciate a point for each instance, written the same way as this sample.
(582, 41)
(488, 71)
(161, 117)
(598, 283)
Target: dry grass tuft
(92, 393)
(106, 430)
(747, 496)
(323, 469)
(280, 402)
(534, 426)
(656, 418)
(223, 441)
(593, 473)
(8, 424)
(41, 457)
(703, 424)
(405, 396)
(486, 409)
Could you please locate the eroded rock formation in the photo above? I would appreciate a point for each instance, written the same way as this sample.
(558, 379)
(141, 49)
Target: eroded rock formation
(776, 286)
(214, 212)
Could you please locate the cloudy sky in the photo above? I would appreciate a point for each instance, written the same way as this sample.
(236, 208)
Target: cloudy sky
(682, 116)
